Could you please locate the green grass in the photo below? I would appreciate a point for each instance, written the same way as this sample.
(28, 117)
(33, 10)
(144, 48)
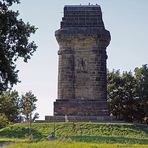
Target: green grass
(87, 134)
(41, 130)
(71, 144)
(110, 139)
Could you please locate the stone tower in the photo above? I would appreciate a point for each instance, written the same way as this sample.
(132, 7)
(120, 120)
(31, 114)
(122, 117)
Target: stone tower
(82, 82)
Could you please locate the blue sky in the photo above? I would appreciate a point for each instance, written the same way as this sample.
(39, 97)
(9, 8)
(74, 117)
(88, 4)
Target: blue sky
(126, 20)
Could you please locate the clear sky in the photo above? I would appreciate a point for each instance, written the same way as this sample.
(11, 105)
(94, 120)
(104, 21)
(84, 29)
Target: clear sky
(127, 21)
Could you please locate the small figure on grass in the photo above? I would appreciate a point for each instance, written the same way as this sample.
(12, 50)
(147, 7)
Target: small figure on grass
(51, 135)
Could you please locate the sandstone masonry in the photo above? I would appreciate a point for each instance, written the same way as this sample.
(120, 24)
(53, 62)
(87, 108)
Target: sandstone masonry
(82, 84)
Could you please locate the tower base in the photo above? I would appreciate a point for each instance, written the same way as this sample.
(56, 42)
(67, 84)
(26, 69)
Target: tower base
(78, 107)
(78, 119)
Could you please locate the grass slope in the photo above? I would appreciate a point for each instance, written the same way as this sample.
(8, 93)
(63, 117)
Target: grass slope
(63, 144)
(89, 132)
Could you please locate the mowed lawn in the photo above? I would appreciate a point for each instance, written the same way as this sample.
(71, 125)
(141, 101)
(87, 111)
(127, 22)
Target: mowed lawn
(76, 135)
(66, 144)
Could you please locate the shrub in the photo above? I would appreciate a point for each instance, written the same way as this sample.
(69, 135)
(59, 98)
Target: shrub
(3, 120)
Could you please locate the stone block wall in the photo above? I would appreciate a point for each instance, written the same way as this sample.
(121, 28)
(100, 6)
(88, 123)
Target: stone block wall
(82, 84)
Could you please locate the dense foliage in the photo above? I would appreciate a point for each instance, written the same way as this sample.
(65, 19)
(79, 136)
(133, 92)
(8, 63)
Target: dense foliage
(14, 108)
(3, 120)
(9, 105)
(14, 43)
(128, 94)
(28, 106)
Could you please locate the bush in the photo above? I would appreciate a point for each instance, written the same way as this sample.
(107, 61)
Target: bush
(3, 120)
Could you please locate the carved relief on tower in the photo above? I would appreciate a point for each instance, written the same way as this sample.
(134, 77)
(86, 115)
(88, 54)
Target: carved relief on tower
(81, 65)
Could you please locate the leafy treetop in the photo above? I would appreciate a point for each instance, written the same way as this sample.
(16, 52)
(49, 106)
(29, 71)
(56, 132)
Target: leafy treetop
(14, 43)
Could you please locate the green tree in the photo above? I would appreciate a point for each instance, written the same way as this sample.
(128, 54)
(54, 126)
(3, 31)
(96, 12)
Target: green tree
(28, 106)
(141, 75)
(14, 43)
(122, 95)
(130, 99)
(3, 120)
(9, 105)
(114, 95)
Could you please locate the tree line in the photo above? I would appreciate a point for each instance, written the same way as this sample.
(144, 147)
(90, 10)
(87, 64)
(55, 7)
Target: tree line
(16, 109)
(127, 99)
(128, 94)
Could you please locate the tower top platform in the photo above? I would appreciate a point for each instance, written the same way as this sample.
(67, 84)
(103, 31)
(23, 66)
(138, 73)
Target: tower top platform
(82, 6)
(82, 16)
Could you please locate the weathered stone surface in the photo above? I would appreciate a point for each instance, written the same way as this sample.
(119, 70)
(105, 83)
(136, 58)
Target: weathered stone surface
(80, 107)
(76, 118)
(82, 85)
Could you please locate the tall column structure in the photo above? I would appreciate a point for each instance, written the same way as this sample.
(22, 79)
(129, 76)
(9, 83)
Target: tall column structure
(82, 75)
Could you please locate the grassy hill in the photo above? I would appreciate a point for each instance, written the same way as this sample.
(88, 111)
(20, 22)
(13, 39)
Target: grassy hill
(69, 129)
(84, 132)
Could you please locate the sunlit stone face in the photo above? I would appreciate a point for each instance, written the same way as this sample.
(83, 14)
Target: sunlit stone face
(82, 83)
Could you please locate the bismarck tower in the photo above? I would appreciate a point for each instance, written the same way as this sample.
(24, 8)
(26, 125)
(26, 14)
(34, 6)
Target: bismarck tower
(82, 75)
